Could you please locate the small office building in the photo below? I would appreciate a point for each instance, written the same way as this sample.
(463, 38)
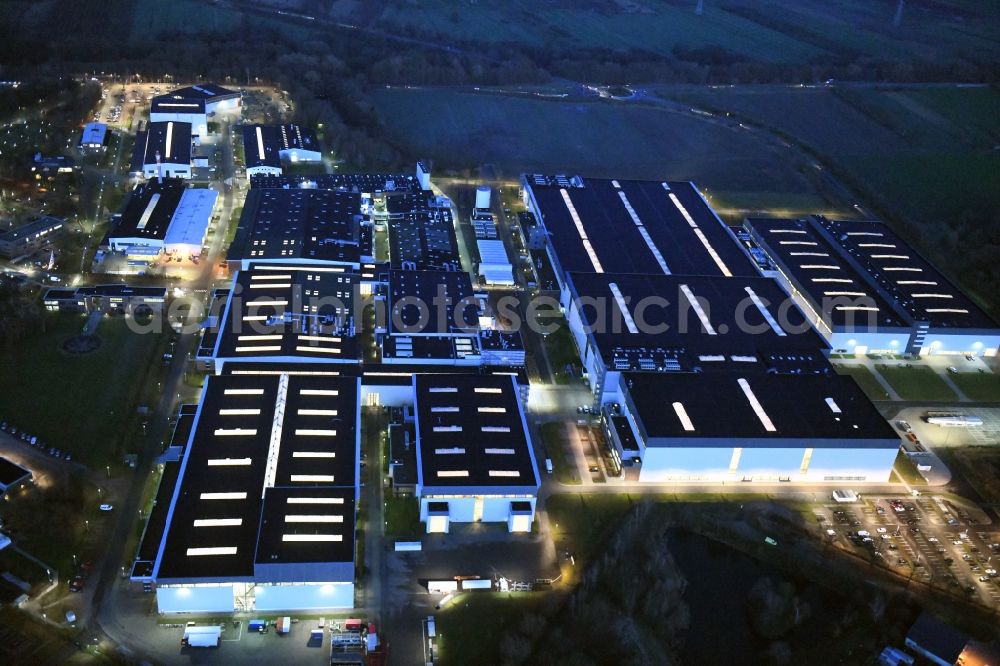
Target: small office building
(12, 476)
(475, 461)
(30, 237)
(94, 136)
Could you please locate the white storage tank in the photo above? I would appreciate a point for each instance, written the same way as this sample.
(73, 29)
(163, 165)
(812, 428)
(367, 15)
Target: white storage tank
(483, 197)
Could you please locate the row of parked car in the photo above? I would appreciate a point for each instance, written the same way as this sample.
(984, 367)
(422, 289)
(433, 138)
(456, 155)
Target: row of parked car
(32, 440)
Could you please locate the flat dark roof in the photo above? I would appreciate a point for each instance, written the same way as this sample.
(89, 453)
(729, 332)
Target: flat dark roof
(417, 348)
(11, 472)
(471, 432)
(375, 374)
(369, 183)
(909, 280)
(157, 522)
(123, 290)
(149, 210)
(318, 225)
(632, 226)
(421, 237)
(745, 316)
(258, 434)
(44, 223)
(171, 139)
(937, 638)
(325, 514)
(261, 144)
(432, 303)
(297, 137)
(497, 340)
(403, 454)
(829, 411)
(290, 311)
(818, 271)
(191, 99)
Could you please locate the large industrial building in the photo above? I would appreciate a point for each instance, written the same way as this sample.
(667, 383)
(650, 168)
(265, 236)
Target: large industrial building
(433, 317)
(628, 322)
(751, 427)
(302, 225)
(163, 216)
(289, 313)
(194, 105)
(704, 369)
(629, 226)
(262, 517)
(267, 146)
(867, 291)
(163, 150)
(475, 461)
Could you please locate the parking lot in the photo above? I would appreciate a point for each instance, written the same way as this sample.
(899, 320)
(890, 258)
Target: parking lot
(925, 538)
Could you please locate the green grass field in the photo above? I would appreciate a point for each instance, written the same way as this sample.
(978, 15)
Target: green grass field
(865, 379)
(758, 30)
(472, 625)
(78, 403)
(923, 157)
(186, 17)
(982, 387)
(462, 129)
(402, 516)
(916, 383)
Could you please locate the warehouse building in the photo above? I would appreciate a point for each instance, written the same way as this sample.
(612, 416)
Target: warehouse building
(189, 224)
(298, 144)
(263, 514)
(625, 322)
(301, 225)
(752, 427)
(475, 461)
(163, 216)
(94, 136)
(867, 291)
(630, 226)
(432, 317)
(163, 150)
(143, 223)
(260, 151)
(194, 105)
(288, 313)
(30, 237)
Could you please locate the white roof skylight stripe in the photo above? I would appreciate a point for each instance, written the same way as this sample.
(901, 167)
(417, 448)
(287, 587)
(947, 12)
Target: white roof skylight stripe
(698, 310)
(626, 315)
(755, 404)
